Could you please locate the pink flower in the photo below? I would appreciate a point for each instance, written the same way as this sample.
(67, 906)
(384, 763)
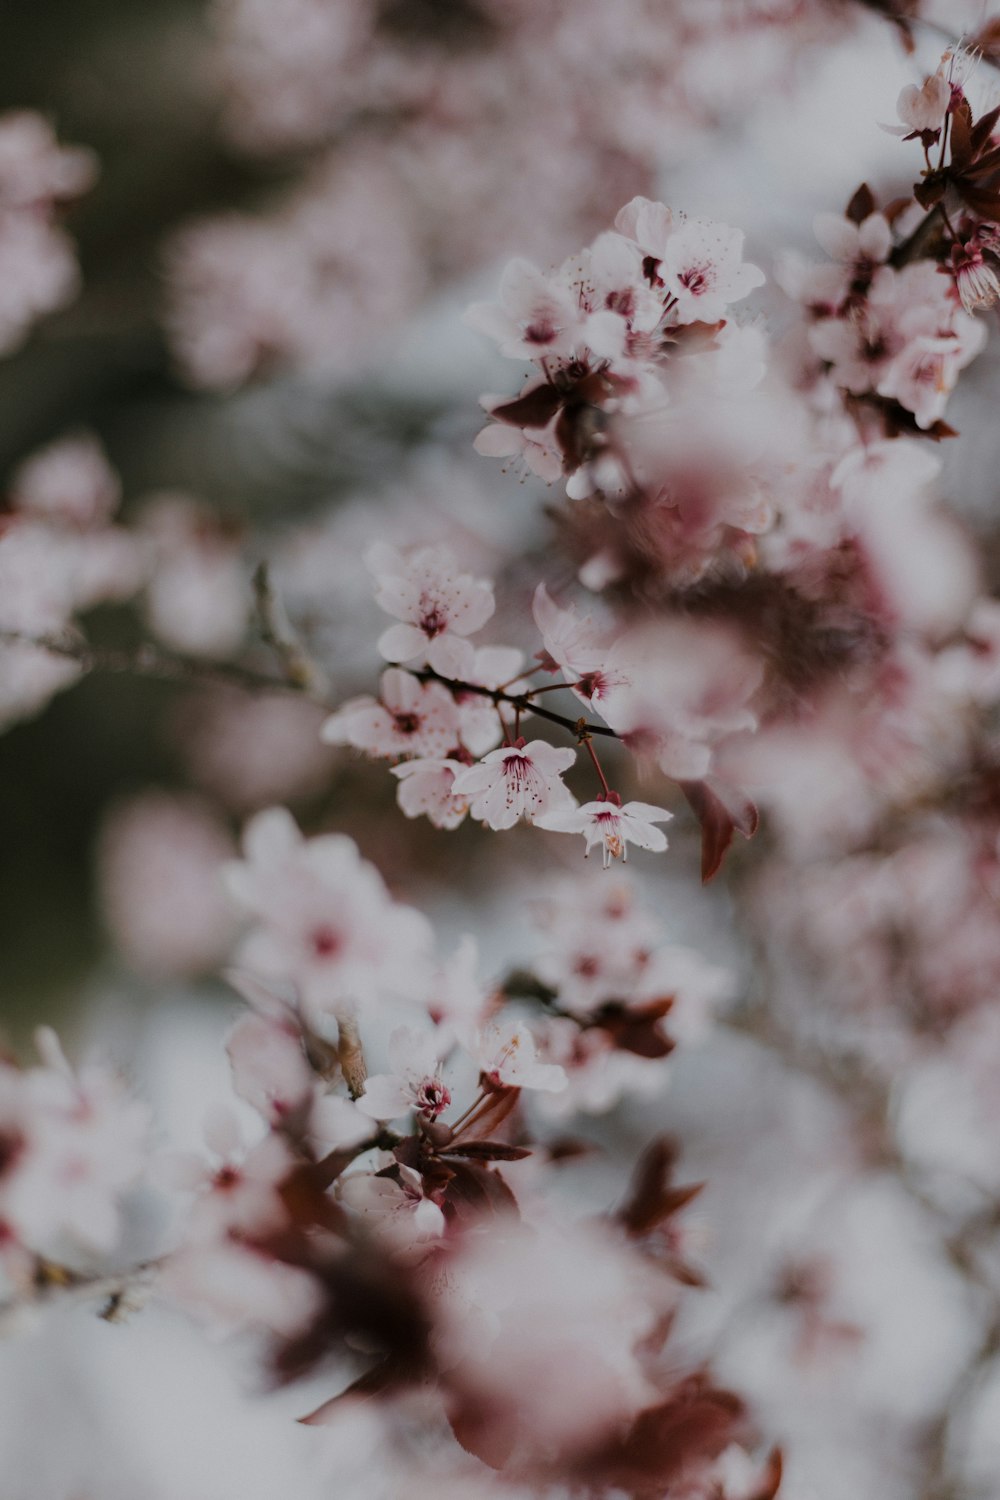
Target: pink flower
(394, 1209)
(73, 1142)
(975, 281)
(923, 374)
(426, 788)
(413, 718)
(324, 921)
(702, 267)
(537, 451)
(863, 245)
(535, 316)
(516, 781)
(236, 1188)
(924, 108)
(607, 822)
(69, 481)
(413, 1084)
(269, 1065)
(577, 646)
(438, 607)
(508, 1058)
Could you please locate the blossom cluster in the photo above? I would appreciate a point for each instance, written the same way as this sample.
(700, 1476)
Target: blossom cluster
(444, 716)
(38, 269)
(393, 116)
(400, 1221)
(71, 1145)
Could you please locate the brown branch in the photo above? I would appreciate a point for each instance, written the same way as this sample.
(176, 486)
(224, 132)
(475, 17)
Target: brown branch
(152, 661)
(279, 633)
(521, 701)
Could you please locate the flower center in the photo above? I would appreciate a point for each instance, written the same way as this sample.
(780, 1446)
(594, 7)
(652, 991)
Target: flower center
(325, 941)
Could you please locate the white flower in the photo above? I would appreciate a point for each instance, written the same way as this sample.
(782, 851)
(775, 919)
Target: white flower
(607, 822)
(702, 267)
(394, 1208)
(427, 787)
(516, 781)
(413, 718)
(325, 922)
(507, 1056)
(438, 607)
(535, 317)
(414, 1082)
(924, 108)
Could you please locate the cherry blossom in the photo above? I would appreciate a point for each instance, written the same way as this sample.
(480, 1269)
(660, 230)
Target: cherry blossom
(395, 1209)
(522, 780)
(426, 789)
(612, 825)
(413, 718)
(438, 605)
(702, 269)
(508, 1058)
(414, 1082)
(325, 921)
(73, 1143)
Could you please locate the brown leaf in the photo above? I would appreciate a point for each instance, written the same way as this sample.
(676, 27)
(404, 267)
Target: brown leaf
(694, 1424)
(533, 409)
(475, 1192)
(479, 1433)
(487, 1151)
(721, 811)
(930, 191)
(636, 1028)
(961, 135)
(651, 1197)
(861, 205)
(770, 1480)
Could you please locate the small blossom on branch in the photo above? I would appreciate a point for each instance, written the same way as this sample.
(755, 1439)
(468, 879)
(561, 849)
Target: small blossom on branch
(614, 827)
(437, 605)
(414, 1082)
(522, 780)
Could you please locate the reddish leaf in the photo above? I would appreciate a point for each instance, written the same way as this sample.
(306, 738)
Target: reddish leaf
(480, 1434)
(651, 1197)
(500, 1105)
(961, 135)
(721, 813)
(533, 409)
(693, 1425)
(983, 128)
(475, 1192)
(374, 1382)
(636, 1028)
(487, 1151)
(770, 1480)
(861, 205)
(930, 191)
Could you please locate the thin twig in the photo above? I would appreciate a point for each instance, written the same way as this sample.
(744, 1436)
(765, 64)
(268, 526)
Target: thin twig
(279, 633)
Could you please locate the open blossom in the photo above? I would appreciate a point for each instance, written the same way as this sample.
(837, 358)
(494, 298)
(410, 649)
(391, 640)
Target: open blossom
(516, 781)
(535, 317)
(577, 647)
(394, 1208)
(702, 267)
(508, 1058)
(71, 1143)
(608, 823)
(235, 1186)
(412, 718)
(427, 789)
(324, 921)
(924, 107)
(437, 604)
(414, 1082)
